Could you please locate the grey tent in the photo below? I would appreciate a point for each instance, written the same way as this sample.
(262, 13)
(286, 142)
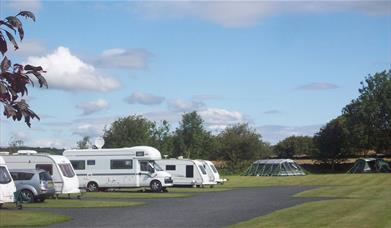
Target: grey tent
(370, 165)
(275, 167)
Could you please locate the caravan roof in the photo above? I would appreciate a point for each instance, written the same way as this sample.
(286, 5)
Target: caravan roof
(137, 151)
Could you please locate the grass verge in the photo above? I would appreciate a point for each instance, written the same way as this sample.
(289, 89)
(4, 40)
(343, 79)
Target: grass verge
(363, 200)
(69, 203)
(10, 218)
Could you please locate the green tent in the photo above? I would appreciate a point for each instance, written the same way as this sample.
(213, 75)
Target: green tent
(370, 165)
(275, 167)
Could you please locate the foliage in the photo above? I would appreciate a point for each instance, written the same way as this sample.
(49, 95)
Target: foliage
(332, 142)
(14, 78)
(84, 143)
(294, 145)
(162, 137)
(191, 140)
(129, 131)
(369, 116)
(241, 143)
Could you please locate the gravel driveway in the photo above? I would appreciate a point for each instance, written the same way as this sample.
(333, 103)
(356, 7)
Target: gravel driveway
(209, 209)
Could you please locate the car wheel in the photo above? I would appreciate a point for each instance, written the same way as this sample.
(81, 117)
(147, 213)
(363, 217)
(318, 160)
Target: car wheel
(156, 186)
(92, 187)
(28, 196)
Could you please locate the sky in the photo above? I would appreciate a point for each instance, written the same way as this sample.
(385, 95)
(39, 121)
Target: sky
(284, 67)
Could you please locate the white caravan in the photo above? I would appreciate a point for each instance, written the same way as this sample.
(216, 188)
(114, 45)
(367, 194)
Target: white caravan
(187, 172)
(212, 171)
(7, 185)
(59, 167)
(119, 168)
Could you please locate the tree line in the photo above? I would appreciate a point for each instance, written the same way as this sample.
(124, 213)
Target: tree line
(364, 125)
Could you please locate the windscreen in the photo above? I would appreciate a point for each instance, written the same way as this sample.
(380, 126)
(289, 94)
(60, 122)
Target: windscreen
(67, 170)
(156, 166)
(5, 177)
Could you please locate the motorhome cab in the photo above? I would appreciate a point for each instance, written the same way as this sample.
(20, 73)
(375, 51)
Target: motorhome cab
(119, 168)
(186, 172)
(7, 185)
(60, 168)
(212, 171)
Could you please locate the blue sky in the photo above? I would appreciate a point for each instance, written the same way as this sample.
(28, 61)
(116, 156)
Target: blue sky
(286, 67)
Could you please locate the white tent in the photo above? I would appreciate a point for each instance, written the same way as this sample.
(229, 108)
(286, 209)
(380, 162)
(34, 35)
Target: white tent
(275, 167)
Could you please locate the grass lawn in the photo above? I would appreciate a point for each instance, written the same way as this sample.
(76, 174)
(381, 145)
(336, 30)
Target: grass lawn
(363, 200)
(28, 218)
(71, 203)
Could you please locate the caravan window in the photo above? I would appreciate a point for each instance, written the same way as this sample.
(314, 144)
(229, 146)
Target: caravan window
(90, 162)
(78, 164)
(170, 167)
(213, 168)
(121, 164)
(5, 177)
(67, 170)
(202, 169)
(46, 167)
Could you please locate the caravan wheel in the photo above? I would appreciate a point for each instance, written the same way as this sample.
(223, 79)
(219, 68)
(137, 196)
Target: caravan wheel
(156, 186)
(92, 187)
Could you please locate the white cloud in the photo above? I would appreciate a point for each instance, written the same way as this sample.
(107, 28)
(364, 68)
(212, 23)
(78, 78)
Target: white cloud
(93, 106)
(247, 13)
(19, 5)
(180, 105)
(124, 58)
(50, 142)
(143, 98)
(218, 119)
(88, 130)
(67, 72)
(318, 86)
(276, 133)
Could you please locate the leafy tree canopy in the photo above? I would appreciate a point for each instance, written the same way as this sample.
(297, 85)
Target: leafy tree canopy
(369, 116)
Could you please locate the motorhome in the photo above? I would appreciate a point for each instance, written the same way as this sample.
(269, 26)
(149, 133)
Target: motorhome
(7, 185)
(212, 172)
(60, 168)
(186, 172)
(119, 168)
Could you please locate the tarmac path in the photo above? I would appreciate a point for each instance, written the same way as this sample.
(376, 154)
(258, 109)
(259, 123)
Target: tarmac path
(209, 209)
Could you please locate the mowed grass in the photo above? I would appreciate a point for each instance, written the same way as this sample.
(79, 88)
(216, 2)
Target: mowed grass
(362, 200)
(9, 218)
(74, 203)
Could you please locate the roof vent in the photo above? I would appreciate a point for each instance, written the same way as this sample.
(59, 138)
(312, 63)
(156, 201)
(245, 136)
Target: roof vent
(26, 152)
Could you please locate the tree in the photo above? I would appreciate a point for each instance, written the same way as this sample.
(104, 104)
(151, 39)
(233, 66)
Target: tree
(241, 143)
(85, 143)
(163, 138)
(369, 116)
(294, 145)
(129, 131)
(191, 139)
(15, 78)
(332, 142)
(15, 144)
